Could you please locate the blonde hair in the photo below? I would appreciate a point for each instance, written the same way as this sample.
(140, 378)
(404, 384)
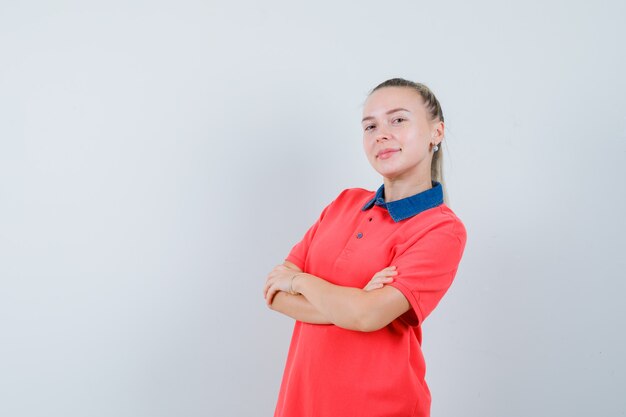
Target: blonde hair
(433, 108)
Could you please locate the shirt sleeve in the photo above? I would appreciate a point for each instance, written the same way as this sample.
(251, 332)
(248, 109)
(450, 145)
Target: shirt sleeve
(427, 268)
(298, 253)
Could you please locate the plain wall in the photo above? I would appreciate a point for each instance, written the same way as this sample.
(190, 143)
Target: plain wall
(157, 159)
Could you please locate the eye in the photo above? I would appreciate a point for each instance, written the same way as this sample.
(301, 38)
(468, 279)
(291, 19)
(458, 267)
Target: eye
(399, 120)
(369, 127)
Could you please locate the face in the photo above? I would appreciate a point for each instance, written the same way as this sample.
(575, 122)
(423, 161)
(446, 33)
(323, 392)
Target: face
(398, 133)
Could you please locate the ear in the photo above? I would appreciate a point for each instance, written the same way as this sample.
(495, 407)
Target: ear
(437, 131)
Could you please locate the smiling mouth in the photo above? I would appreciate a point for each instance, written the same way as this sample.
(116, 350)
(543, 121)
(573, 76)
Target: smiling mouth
(387, 153)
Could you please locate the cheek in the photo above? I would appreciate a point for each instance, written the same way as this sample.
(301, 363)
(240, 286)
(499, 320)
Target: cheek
(368, 148)
(366, 145)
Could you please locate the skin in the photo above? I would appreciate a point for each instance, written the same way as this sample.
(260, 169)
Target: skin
(398, 140)
(410, 132)
(347, 307)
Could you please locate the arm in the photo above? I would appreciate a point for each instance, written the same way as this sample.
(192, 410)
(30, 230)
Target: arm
(352, 308)
(300, 308)
(346, 307)
(297, 306)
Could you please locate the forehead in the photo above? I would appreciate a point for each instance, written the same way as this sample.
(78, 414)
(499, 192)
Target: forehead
(387, 98)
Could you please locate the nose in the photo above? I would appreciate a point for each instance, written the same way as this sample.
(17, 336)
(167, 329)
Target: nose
(382, 135)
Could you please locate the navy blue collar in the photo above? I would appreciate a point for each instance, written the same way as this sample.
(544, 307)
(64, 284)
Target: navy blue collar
(410, 206)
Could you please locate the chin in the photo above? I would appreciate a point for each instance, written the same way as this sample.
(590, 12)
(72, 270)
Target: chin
(387, 173)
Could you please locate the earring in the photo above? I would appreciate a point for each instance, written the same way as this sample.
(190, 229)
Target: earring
(435, 148)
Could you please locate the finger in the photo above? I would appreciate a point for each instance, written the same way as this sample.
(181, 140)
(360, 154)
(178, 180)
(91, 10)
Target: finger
(373, 286)
(370, 284)
(270, 295)
(386, 273)
(266, 287)
(379, 282)
(270, 276)
(266, 294)
(384, 279)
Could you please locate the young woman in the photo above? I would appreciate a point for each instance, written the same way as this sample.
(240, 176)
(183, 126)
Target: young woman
(369, 271)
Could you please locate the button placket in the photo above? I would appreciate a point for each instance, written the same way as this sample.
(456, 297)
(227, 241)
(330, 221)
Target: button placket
(363, 226)
(360, 232)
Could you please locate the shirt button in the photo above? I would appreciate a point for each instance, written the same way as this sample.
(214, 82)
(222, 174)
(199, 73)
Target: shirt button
(359, 235)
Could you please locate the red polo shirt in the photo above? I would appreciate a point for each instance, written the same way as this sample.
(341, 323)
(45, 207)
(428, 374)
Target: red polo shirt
(335, 372)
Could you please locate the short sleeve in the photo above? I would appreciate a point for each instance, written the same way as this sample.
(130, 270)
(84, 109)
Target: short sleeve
(427, 268)
(298, 253)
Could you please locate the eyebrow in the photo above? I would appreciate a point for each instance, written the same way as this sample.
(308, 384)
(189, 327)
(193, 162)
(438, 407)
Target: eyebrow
(389, 112)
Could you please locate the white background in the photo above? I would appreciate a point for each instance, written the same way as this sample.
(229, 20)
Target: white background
(157, 159)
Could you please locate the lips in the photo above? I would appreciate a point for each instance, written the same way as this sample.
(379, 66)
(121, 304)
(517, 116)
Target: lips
(386, 153)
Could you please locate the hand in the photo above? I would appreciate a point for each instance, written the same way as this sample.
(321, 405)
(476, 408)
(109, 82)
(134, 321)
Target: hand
(279, 279)
(381, 278)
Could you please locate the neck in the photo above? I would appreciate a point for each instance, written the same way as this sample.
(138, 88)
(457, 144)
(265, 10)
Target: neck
(399, 189)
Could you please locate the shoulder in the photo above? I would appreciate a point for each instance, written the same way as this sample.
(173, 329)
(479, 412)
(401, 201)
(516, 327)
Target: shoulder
(348, 202)
(435, 235)
(437, 222)
(356, 193)
(445, 220)
(353, 197)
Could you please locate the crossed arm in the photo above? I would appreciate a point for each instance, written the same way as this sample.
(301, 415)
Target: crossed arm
(321, 302)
